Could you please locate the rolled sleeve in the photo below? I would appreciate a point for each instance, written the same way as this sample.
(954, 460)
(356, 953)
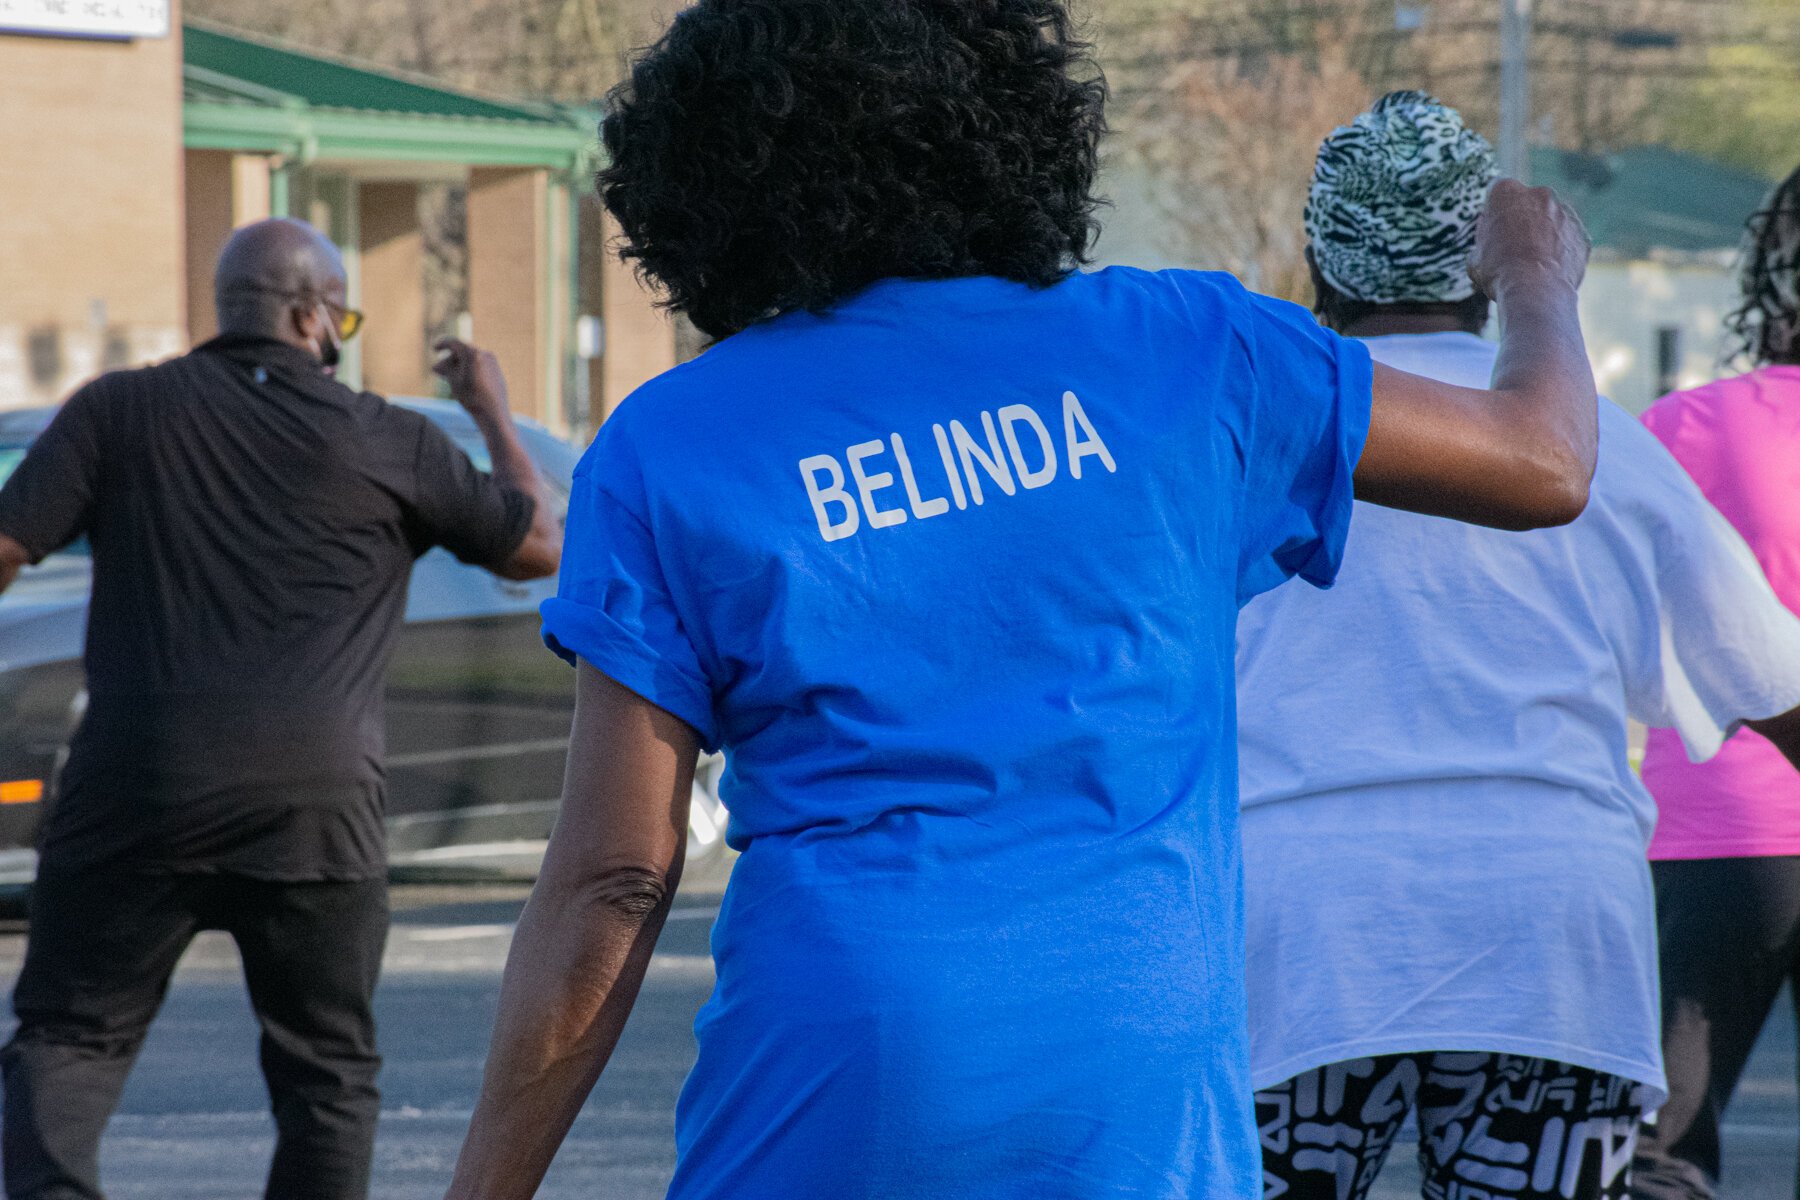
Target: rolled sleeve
(1311, 403)
(614, 610)
(49, 501)
(460, 508)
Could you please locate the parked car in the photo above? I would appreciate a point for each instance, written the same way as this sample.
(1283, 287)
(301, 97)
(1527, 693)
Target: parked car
(478, 710)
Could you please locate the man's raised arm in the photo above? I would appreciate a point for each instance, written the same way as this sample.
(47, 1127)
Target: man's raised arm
(477, 383)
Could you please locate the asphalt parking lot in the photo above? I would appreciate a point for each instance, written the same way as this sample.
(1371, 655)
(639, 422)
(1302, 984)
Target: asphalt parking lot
(193, 1121)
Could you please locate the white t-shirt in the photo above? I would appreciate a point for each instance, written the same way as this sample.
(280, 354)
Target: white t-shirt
(1443, 839)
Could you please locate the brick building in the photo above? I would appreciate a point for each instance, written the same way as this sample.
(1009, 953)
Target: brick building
(131, 145)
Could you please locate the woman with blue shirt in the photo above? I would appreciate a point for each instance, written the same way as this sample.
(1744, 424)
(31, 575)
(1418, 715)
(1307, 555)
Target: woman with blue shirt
(943, 544)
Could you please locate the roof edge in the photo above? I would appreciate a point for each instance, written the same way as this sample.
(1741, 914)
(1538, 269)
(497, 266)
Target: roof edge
(527, 109)
(308, 133)
(254, 92)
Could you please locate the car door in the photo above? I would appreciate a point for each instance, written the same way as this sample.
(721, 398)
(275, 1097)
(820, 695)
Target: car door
(478, 711)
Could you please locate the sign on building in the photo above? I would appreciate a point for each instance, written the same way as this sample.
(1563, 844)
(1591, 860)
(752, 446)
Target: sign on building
(86, 18)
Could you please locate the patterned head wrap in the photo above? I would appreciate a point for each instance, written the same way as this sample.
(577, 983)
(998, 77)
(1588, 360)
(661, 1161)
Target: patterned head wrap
(1394, 201)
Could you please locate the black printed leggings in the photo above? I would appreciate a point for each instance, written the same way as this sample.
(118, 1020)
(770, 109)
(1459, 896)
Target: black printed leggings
(1491, 1127)
(1729, 934)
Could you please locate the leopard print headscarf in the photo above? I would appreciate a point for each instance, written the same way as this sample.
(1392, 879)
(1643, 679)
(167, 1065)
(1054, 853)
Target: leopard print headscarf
(1394, 201)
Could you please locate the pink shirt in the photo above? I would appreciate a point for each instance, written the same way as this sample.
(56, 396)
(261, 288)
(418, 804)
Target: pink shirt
(1740, 440)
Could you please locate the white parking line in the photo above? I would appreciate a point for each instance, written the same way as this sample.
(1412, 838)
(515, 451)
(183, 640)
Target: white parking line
(160, 1125)
(425, 758)
(463, 933)
(1786, 1133)
(457, 933)
(690, 968)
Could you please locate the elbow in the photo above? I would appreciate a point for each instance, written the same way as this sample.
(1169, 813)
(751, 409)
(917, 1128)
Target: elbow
(1570, 504)
(1561, 460)
(1558, 491)
(1570, 483)
(1562, 502)
(632, 895)
(538, 557)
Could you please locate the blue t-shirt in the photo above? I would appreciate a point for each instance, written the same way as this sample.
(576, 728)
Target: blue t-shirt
(951, 572)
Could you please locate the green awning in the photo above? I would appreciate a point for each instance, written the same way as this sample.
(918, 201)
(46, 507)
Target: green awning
(1651, 200)
(256, 95)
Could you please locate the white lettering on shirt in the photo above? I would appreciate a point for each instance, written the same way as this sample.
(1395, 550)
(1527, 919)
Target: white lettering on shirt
(867, 485)
(809, 470)
(1074, 414)
(949, 461)
(1010, 416)
(992, 460)
(1001, 455)
(921, 508)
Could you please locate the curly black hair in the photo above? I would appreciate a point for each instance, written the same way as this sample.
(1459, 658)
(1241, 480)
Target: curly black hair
(1766, 326)
(767, 156)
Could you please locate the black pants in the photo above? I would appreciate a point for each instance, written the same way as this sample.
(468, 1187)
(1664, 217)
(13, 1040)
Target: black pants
(102, 948)
(1729, 933)
(1491, 1127)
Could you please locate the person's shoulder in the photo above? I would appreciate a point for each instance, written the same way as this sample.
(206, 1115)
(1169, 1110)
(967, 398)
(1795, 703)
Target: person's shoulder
(1628, 446)
(631, 429)
(657, 408)
(1203, 302)
(1736, 404)
(1707, 400)
(127, 380)
(1695, 422)
(384, 413)
(1636, 472)
(106, 394)
(1674, 406)
(1189, 287)
(396, 433)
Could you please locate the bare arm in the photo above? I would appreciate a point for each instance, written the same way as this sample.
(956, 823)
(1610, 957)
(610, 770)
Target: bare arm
(1522, 455)
(478, 384)
(585, 939)
(13, 556)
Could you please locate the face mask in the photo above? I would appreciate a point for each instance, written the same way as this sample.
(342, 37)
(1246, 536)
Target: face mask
(330, 350)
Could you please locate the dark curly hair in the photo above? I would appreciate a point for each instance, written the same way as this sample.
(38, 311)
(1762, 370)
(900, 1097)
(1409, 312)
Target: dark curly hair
(1766, 326)
(773, 155)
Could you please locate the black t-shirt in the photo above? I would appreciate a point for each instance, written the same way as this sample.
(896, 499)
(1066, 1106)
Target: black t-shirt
(254, 524)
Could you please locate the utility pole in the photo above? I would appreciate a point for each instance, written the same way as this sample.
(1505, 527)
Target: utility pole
(1515, 88)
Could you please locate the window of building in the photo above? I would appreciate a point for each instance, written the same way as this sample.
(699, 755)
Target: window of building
(1668, 360)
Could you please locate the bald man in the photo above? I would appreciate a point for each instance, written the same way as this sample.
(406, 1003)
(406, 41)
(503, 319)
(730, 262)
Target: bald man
(254, 524)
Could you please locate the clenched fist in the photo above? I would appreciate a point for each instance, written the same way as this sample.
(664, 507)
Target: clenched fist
(474, 375)
(1527, 231)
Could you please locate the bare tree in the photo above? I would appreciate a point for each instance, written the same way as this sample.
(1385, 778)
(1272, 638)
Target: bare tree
(1225, 147)
(1220, 104)
(566, 50)
(1601, 68)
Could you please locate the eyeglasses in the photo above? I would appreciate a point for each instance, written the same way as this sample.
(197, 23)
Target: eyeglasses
(349, 320)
